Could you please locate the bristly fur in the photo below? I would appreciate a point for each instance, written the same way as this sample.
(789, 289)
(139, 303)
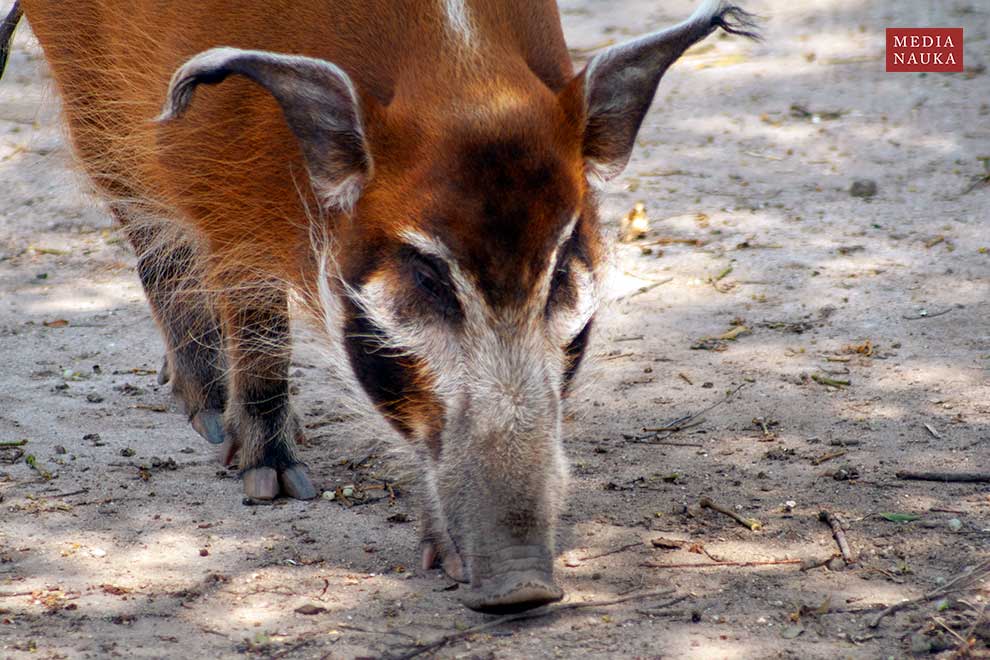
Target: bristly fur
(452, 288)
(735, 20)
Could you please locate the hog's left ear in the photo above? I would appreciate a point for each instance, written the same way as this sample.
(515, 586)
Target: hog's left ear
(618, 85)
(319, 102)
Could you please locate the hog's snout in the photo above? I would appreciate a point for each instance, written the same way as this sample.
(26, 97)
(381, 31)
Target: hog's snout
(513, 580)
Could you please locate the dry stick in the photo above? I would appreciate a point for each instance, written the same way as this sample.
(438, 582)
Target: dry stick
(645, 289)
(721, 564)
(749, 523)
(962, 582)
(535, 614)
(829, 456)
(628, 546)
(688, 421)
(81, 491)
(833, 521)
(830, 382)
(666, 443)
(961, 477)
(930, 316)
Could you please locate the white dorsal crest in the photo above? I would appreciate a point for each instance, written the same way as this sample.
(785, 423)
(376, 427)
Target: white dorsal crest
(458, 20)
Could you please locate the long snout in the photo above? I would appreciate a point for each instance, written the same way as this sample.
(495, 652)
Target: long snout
(513, 579)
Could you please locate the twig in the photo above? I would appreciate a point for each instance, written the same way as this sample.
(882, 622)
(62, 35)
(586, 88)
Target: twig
(535, 614)
(830, 382)
(833, 521)
(81, 491)
(721, 564)
(14, 443)
(628, 546)
(666, 443)
(931, 316)
(615, 357)
(367, 631)
(827, 457)
(962, 477)
(962, 582)
(750, 523)
(677, 425)
(686, 422)
(697, 242)
(949, 630)
(645, 289)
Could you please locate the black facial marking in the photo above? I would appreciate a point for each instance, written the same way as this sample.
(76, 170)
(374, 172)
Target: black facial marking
(563, 290)
(384, 374)
(575, 353)
(431, 277)
(503, 204)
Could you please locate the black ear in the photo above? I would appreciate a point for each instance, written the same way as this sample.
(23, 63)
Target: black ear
(318, 100)
(619, 83)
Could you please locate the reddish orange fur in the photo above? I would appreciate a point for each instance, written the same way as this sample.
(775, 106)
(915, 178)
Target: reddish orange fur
(231, 169)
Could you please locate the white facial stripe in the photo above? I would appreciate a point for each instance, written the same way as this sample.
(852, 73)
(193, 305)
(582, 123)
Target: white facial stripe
(467, 293)
(568, 230)
(427, 244)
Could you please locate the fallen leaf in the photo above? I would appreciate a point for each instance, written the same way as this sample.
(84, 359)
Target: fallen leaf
(900, 517)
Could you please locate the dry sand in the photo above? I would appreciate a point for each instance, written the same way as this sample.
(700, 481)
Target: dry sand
(168, 562)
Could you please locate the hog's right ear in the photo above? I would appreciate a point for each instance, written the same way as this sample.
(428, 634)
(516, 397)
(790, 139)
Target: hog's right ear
(319, 102)
(618, 85)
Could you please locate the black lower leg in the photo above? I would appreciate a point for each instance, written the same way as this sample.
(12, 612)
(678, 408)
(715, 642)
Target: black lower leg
(170, 266)
(259, 417)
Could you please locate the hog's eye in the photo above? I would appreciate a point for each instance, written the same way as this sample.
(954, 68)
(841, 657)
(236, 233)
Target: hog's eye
(432, 277)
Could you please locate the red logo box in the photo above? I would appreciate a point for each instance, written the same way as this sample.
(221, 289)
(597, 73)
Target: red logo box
(913, 50)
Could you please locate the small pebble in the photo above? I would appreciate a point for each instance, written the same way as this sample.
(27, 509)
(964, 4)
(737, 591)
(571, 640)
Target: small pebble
(98, 552)
(864, 188)
(59, 449)
(955, 524)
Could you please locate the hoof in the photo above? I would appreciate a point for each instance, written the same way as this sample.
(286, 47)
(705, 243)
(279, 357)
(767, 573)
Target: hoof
(209, 424)
(228, 451)
(261, 483)
(296, 484)
(450, 563)
(165, 373)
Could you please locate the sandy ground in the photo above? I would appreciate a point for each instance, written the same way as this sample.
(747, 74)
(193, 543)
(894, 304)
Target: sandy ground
(138, 545)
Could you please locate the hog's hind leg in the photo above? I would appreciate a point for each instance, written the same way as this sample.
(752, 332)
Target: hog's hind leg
(170, 267)
(259, 421)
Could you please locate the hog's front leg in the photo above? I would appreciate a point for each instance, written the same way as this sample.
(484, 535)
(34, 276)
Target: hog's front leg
(259, 423)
